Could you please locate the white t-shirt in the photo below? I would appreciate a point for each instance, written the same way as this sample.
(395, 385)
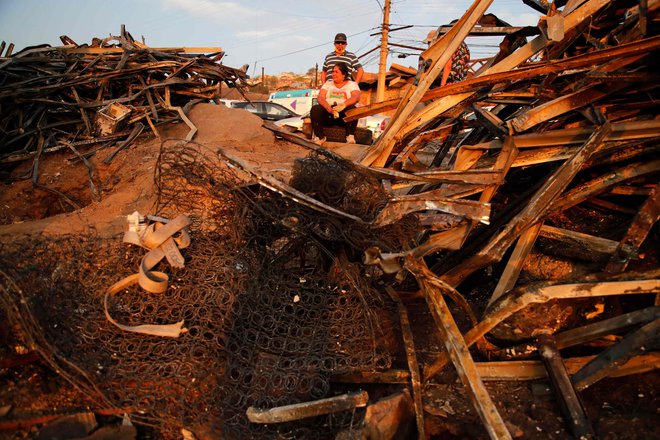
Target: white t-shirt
(339, 95)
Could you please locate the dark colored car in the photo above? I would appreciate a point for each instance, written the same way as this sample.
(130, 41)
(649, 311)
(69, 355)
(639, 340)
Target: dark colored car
(265, 110)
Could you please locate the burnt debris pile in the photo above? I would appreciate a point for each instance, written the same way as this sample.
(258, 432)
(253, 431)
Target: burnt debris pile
(84, 97)
(514, 213)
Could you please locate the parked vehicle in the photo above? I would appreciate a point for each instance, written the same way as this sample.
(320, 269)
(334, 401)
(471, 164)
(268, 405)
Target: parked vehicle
(298, 101)
(294, 121)
(375, 123)
(266, 110)
(229, 102)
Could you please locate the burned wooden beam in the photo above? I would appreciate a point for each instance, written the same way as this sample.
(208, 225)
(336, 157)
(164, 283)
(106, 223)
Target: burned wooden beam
(579, 245)
(646, 217)
(304, 410)
(399, 207)
(413, 366)
(513, 267)
(516, 370)
(489, 120)
(569, 401)
(559, 106)
(458, 350)
(612, 358)
(603, 183)
(606, 327)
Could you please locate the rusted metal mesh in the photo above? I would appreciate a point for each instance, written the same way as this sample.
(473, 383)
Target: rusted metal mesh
(271, 314)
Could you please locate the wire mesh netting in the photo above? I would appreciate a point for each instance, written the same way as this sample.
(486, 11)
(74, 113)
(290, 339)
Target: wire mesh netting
(271, 311)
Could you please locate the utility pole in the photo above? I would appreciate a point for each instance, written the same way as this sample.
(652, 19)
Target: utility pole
(263, 80)
(382, 65)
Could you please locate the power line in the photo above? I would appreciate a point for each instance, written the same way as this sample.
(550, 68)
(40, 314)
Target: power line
(304, 49)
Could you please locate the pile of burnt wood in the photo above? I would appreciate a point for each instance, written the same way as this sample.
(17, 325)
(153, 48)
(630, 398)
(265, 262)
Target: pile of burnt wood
(101, 94)
(540, 173)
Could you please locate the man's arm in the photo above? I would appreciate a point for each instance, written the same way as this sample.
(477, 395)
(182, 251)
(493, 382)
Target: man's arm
(324, 70)
(358, 74)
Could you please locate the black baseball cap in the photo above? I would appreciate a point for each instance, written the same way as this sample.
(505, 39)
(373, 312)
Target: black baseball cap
(340, 38)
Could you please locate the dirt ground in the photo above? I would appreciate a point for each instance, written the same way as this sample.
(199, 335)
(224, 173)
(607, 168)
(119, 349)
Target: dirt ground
(625, 408)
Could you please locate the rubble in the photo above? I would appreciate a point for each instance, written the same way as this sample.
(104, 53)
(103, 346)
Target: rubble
(76, 96)
(294, 292)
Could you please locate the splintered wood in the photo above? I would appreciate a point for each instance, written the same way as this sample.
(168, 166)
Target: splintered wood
(547, 141)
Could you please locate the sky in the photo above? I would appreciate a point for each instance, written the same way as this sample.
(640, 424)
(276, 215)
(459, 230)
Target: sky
(270, 36)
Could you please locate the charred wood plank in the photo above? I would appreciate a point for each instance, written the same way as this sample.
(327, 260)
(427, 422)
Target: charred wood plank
(514, 266)
(304, 410)
(520, 370)
(583, 246)
(490, 121)
(411, 356)
(541, 6)
(646, 217)
(586, 333)
(612, 358)
(452, 239)
(569, 401)
(458, 351)
(399, 207)
(603, 183)
(559, 106)
(590, 332)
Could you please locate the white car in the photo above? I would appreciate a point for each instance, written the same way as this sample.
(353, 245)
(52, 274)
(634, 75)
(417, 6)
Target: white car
(231, 103)
(375, 123)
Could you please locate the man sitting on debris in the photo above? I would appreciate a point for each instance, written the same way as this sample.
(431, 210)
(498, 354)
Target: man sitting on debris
(335, 97)
(341, 55)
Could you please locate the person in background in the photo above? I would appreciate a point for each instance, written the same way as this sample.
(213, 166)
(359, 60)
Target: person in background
(341, 55)
(458, 66)
(335, 97)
